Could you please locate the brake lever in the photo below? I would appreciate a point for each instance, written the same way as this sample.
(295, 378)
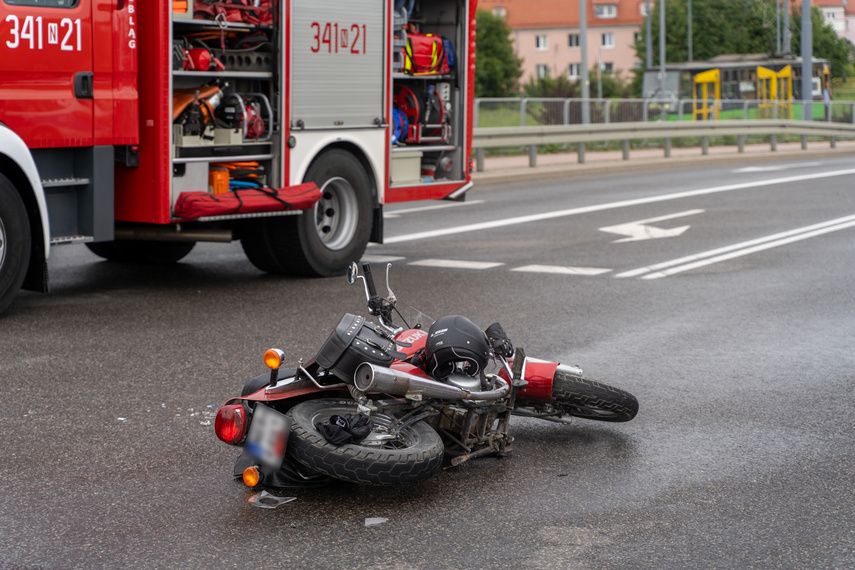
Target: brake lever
(391, 296)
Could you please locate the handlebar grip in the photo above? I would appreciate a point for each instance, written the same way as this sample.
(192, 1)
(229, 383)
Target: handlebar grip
(369, 280)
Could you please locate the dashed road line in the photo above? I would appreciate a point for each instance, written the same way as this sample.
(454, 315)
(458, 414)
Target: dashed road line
(558, 270)
(455, 264)
(380, 258)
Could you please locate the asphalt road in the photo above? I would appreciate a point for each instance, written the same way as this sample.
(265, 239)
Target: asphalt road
(735, 333)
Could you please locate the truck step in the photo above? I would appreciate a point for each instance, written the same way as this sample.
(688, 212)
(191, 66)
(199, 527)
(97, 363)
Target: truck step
(64, 182)
(69, 239)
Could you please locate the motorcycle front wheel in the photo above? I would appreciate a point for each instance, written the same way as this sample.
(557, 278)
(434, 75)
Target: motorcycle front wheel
(412, 454)
(582, 397)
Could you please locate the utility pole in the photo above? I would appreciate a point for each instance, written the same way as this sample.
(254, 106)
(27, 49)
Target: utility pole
(807, 61)
(583, 39)
(786, 48)
(649, 40)
(690, 30)
(777, 27)
(662, 45)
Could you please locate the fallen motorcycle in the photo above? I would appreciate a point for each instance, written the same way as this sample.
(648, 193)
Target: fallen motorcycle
(386, 404)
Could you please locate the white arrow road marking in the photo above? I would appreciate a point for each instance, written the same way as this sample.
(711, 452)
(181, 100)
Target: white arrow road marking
(639, 230)
(456, 264)
(778, 167)
(562, 270)
(682, 264)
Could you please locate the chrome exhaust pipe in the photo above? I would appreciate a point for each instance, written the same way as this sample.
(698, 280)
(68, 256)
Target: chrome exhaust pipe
(372, 378)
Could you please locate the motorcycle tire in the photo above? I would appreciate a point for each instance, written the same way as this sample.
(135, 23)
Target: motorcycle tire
(413, 455)
(585, 398)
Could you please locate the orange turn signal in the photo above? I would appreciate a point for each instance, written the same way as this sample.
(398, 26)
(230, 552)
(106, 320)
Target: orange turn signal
(251, 477)
(273, 358)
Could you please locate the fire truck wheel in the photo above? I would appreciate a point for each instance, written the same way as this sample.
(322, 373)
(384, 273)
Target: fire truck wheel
(322, 241)
(15, 242)
(142, 251)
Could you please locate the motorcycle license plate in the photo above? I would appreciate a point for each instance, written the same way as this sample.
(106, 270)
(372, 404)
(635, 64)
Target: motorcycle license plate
(268, 436)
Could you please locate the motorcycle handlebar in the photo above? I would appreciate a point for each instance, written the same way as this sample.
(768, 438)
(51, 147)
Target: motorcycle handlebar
(369, 280)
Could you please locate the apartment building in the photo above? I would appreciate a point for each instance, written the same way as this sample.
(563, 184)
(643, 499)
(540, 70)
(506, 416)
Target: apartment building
(840, 15)
(547, 36)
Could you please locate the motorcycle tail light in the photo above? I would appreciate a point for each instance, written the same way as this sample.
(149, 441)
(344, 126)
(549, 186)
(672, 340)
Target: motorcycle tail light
(251, 476)
(230, 424)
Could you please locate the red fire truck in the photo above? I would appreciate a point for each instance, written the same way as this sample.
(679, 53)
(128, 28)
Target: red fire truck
(142, 127)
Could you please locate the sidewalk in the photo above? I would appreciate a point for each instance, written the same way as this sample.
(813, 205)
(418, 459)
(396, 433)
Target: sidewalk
(511, 168)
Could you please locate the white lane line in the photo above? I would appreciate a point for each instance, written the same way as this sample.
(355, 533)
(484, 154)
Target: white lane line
(774, 168)
(456, 264)
(380, 258)
(748, 251)
(735, 247)
(557, 270)
(396, 213)
(611, 206)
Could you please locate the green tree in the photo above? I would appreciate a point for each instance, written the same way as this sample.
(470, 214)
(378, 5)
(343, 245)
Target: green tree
(497, 67)
(614, 86)
(732, 27)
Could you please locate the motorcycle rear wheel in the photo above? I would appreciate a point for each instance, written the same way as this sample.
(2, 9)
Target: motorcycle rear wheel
(412, 455)
(585, 398)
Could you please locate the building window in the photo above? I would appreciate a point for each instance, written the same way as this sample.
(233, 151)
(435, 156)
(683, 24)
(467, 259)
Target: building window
(608, 40)
(541, 43)
(501, 12)
(608, 68)
(636, 37)
(605, 10)
(542, 71)
(573, 40)
(573, 70)
(642, 8)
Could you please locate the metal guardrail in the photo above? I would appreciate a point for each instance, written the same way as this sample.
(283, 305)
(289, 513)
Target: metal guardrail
(666, 128)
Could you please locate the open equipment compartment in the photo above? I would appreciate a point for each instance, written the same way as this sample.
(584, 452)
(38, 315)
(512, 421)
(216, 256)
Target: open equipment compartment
(428, 92)
(226, 131)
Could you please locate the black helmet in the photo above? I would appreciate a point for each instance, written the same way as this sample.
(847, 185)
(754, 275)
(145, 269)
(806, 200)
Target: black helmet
(454, 340)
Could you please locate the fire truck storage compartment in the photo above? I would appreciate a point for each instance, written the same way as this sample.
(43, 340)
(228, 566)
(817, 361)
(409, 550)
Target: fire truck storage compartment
(428, 110)
(223, 95)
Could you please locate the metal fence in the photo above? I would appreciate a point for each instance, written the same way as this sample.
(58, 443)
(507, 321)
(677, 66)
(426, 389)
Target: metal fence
(508, 123)
(521, 112)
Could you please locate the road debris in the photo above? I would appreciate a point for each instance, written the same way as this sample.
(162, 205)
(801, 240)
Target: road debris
(265, 500)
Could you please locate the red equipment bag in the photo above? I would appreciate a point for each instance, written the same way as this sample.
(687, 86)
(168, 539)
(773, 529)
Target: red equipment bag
(193, 205)
(425, 54)
(243, 11)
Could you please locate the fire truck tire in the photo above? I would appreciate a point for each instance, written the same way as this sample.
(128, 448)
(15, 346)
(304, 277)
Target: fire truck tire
(15, 242)
(142, 251)
(322, 241)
